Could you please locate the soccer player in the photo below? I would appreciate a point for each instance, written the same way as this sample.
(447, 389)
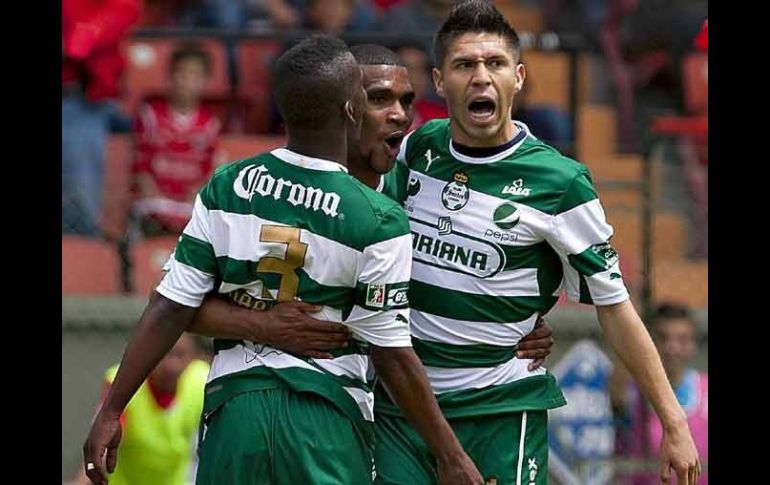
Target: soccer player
(501, 223)
(287, 326)
(282, 225)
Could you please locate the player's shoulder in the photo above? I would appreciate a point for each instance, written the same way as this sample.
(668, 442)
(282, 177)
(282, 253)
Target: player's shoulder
(433, 135)
(560, 168)
(383, 215)
(230, 170)
(438, 125)
(225, 177)
(558, 182)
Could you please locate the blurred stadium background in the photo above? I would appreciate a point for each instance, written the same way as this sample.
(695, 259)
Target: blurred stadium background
(634, 105)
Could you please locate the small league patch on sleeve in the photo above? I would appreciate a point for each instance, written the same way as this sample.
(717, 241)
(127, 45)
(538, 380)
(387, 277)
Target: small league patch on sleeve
(375, 295)
(381, 296)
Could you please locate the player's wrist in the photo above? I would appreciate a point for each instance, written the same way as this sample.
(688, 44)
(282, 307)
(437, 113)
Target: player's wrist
(109, 412)
(448, 449)
(258, 325)
(452, 456)
(675, 421)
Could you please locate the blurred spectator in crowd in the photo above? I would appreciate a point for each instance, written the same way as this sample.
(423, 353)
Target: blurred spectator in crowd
(383, 6)
(334, 17)
(643, 42)
(162, 13)
(695, 156)
(576, 17)
(176, 142)
(337, 17)
(702, 39)
(416, 18)
(160, 424)
(639, 432)
(91, 68)
(330, 16)
(427, 104)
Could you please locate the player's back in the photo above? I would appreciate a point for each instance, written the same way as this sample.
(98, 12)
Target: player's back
(304, 222)
(281, 226)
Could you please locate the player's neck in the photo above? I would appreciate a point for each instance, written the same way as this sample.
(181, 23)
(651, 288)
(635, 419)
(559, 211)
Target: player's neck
(326, 144)
(506, 134)
(360, 168)
(365, 175)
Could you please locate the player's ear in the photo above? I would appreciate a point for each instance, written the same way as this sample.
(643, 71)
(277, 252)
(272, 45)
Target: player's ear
(350, 112)
(438, 82)
(521, 75)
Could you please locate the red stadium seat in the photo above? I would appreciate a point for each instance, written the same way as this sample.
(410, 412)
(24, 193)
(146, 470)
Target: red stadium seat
(147, 259)
(255, 59)
(88, 267)
(244, 146)
(117, 185)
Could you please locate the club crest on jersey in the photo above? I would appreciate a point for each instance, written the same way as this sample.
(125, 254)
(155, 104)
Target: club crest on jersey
(517, 188)
(456, 193)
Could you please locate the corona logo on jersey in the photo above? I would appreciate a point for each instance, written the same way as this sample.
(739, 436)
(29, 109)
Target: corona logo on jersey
(254, 179)
(455, 251)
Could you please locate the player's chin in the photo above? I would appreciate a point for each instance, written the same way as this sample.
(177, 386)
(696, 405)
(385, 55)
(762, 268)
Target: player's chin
(383, 162)
(482, 130)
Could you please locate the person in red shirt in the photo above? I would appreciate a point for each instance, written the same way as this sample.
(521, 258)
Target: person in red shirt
(702, 39)
(176, 142)
(91, 68)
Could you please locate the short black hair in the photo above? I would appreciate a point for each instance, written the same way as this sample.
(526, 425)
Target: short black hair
(473, 16)
(670, 311)
(375, 55)
(313, 80)
(190, 51)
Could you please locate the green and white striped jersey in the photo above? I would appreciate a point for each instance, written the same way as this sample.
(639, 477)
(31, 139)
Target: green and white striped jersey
(282, 225)
(494, 242)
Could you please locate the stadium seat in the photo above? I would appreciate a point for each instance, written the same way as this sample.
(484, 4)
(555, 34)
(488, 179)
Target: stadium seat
(255, 60)
(682, 281)
(596, 133)
(669, 235)
(89, 267)
(237, 147)
(548, 79)
(147, 259)
(117, 185)
(526, 18)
